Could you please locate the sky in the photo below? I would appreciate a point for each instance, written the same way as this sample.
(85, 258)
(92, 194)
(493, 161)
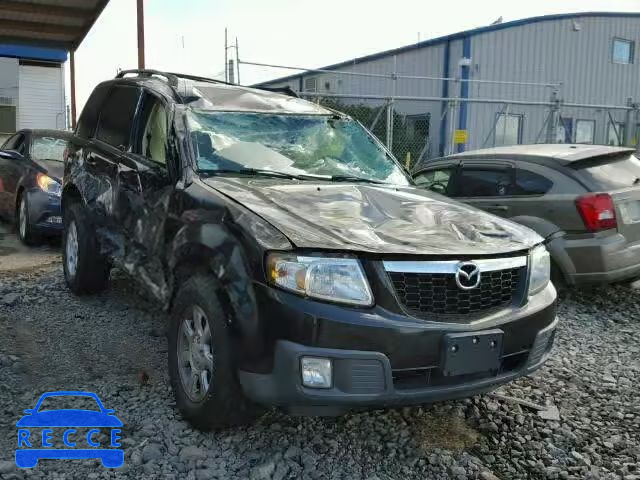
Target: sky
(188, 35)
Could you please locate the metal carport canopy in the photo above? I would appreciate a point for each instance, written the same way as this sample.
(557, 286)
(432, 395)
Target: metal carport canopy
(58, 24)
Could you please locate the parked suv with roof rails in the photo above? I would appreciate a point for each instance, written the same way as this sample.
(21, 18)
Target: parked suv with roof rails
(583, 199)
(300, 266)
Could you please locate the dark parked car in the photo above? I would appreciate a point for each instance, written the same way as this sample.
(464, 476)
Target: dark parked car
(300, 266)
(583, 199)
(31, 165)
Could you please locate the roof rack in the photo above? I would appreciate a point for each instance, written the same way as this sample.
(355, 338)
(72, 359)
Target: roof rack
(171, 78)
(200, 79)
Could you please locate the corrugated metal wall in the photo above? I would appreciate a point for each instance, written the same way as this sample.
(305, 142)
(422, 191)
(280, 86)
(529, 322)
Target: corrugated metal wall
(575, 51)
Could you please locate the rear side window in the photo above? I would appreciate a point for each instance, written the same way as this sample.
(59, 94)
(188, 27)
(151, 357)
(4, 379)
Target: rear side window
(484, 182)
(89, 117)
(117, 116)
(610, 172)
(529, 183)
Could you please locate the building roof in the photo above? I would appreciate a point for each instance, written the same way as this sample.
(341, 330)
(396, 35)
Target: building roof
(48, 24)
(457, 36)
(559, 151)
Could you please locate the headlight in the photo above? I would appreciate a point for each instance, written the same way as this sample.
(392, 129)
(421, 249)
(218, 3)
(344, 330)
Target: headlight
(48, 184)
(334, 279)
(540, 269)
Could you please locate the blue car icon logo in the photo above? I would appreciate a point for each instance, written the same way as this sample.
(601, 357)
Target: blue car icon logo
(36, 435)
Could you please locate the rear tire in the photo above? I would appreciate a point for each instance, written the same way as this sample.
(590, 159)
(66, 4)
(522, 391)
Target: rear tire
(85, 270)
(201, 366)
(25, 230)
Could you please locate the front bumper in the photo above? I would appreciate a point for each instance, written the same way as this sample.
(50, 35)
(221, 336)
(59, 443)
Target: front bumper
(45, 212)
(409, 371)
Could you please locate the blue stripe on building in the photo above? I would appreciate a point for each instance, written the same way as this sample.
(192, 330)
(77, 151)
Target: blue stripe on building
(33, 53)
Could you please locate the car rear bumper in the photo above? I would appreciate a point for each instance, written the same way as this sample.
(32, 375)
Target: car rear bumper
(379, 362)
(605, 258)
(45, 213)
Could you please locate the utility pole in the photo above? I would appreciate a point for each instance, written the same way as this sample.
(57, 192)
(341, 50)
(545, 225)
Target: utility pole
(238, 60)
(140, 15)
(226, 56)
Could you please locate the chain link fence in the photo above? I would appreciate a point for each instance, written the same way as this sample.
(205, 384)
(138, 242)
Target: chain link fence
(411, 116)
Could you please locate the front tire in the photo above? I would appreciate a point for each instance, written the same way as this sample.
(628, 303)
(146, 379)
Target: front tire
(85, 270)
(201, 367)
(25, 230)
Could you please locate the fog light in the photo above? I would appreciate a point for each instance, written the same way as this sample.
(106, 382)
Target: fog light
(316, 372)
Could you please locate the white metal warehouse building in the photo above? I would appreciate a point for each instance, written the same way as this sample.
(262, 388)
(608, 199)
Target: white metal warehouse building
(562, 78)
(32, 93)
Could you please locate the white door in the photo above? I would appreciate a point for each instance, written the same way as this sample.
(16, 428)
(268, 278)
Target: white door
(41, 97)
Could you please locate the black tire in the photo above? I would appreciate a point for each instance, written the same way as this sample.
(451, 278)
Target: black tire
(91, 273)
(26, 232)
(224, 404)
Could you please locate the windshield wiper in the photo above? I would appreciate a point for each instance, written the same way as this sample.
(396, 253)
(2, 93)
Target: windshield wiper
(275, 173)
(350, 178)
(248, 171)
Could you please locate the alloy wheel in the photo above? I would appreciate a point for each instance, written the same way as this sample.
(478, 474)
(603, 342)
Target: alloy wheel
(195, 354)
(71, 249)
(22, 217)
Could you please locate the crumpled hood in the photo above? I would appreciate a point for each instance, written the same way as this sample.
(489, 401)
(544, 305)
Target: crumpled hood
(373, 218)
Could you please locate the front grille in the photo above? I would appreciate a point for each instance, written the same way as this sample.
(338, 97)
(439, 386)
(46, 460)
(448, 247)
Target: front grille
(425, 294)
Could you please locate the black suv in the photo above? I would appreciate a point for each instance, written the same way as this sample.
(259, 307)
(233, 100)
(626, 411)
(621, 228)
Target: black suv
(300, 266)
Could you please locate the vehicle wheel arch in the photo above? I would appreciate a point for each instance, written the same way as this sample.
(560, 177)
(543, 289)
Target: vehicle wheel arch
(70, 195)
(541, 226)
(555, 243)
(213, 250)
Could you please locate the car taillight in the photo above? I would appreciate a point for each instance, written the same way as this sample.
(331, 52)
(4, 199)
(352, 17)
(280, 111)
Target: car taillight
(597, 211)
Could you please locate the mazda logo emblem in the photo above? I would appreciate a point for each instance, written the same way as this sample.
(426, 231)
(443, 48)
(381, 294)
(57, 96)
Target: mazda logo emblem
(467, 275)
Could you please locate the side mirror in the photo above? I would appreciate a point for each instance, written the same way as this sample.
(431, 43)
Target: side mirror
(10, 155)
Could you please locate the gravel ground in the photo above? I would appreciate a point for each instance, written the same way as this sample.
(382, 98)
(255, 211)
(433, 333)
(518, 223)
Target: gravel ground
(114, 345)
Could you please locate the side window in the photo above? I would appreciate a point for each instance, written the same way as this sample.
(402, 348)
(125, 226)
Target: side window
(484, 182)
(151, 138)
(585, 131)
(435, 180)
(529, 183)
(116, 116)
(508, 129)
(623, 51)
(13, 142)
(89, 116)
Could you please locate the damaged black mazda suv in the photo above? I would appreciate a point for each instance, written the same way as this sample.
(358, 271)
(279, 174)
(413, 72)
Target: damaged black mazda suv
(300, 267)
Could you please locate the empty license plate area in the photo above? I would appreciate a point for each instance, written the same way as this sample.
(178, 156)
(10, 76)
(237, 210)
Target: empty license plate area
(630, 212)
(465, 353)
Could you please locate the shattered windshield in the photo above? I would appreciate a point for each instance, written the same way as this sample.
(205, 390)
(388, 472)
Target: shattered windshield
(291, 144)
(48, 148)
